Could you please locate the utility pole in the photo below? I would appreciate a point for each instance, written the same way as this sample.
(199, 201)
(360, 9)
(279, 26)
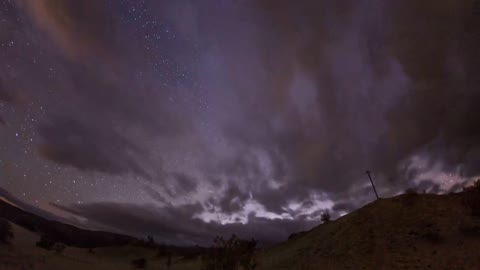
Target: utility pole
(371, 181)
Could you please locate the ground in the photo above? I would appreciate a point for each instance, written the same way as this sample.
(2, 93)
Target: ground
(25, 255)
(406, 232)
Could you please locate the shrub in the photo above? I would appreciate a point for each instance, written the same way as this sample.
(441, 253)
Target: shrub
(325, 217)
(6, 233)
(45, 243)
(140, 263)
(230, 254)
(150, 241)
(59, 248)
(49, 244)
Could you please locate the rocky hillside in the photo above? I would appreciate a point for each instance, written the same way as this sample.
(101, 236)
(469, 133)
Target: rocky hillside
(410, 231)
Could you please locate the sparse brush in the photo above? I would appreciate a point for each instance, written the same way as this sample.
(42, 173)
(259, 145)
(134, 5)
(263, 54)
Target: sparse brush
(230, 254)
(6, 233)
(59, 248)
(49, 244)
(45, 243)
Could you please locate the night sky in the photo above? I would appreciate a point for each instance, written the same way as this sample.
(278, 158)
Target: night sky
(187, 119)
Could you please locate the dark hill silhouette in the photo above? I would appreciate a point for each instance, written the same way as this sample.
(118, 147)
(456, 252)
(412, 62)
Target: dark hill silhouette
(61, 232)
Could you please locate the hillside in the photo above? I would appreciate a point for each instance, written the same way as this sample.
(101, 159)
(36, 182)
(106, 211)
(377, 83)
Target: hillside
(61, 232)
(409, 231)
(84, 248)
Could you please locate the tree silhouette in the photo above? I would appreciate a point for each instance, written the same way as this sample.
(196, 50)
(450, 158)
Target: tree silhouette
(325, 217)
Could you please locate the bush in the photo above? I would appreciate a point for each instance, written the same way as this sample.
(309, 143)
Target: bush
(45, 243)
(6, 233)
(59, 248)
(150, 241)
(49, 244)
(325, 217)
(230, 254)
(140, 263)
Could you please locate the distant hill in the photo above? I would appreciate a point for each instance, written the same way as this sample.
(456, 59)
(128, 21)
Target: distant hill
(410, 231)
(85, 249)
(61, 232)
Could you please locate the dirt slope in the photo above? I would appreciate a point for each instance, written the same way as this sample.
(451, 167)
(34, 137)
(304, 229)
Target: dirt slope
(65, 233)
(405, 232)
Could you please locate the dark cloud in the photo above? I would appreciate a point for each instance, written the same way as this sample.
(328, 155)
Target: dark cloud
(155, 195)
(4, 94)
(457, 188)
(343, 207)
(108, 110)
(232, 200)
(428, 186)
(8, 95)
(437, 111)
(80, 28)
(379, 95)
(185, 183)
(90, 147)
(113, 98)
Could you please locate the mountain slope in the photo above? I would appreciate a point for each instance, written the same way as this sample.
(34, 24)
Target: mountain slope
(61, 232)
(409, 231)
(84, 248)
